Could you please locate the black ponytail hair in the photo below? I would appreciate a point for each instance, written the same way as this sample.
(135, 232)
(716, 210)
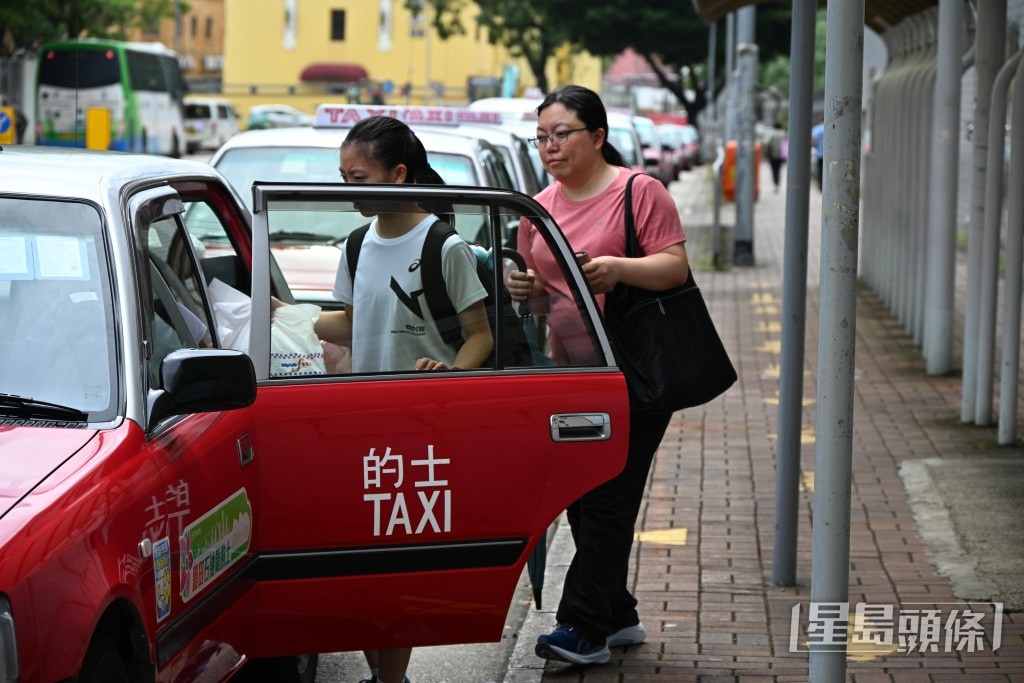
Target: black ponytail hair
(589, 108)
(390, 142)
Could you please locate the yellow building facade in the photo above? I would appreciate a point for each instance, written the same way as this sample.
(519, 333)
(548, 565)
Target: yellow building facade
(268, 44)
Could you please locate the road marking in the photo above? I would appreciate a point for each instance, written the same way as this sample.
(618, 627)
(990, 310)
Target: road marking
(662, 536)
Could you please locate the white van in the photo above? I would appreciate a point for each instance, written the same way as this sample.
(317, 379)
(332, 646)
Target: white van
(209, 122)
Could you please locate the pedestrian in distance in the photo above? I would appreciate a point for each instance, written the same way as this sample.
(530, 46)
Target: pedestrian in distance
(587, 200)
(776, 143)
(818, 149)
(376, 322)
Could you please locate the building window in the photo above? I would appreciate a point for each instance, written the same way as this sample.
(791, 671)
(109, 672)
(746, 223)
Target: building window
(209, 28)
(195, 26)
(337, 24)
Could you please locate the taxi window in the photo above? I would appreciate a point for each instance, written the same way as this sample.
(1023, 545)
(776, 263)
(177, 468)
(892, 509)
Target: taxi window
(395, 324)
(179, 316)
(455, 169)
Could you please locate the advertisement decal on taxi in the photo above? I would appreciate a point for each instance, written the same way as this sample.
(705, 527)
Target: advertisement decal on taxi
(214, 542)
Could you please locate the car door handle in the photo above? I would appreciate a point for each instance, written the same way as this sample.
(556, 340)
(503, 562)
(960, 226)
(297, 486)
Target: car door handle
(581, 427)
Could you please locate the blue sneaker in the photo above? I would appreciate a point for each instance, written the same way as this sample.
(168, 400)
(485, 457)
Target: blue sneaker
(566, 644)
(630, 635)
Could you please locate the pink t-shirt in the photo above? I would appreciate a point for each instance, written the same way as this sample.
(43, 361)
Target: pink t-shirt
(598, 226)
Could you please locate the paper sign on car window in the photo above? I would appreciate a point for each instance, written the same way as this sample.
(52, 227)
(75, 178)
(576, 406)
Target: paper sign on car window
(60, 258)
(15, 258)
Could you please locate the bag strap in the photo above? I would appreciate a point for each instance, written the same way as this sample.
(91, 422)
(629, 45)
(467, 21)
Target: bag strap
(435, 290)
(353, 243)
(632, 243)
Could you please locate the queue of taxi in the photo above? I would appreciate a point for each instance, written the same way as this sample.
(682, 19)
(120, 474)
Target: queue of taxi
(175, 505)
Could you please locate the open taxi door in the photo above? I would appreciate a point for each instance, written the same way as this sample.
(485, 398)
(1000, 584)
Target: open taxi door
(399, 508)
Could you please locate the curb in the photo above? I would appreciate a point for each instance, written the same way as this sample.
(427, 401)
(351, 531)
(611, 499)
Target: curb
(524, 666)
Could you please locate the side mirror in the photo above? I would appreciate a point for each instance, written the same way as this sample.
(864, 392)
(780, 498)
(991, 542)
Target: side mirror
(652, 161)
(202, 381)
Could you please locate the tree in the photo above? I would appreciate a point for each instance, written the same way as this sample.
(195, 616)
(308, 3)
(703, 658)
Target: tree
(526, 28)
(666, 32)
(26, 24)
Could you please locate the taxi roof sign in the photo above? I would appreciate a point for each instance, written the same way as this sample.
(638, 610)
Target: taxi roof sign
(348, 115)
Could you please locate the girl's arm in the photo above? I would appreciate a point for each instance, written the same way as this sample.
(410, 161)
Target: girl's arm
(335, 326)
(478, 345)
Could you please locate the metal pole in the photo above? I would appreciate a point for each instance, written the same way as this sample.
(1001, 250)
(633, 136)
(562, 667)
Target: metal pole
(989, 279)
(746, 168)
(837, 323)
(1014, 268)
(794, 292)
(177, 27)
(989, 54)
(709, 90)
(730, 76)
(942, 190)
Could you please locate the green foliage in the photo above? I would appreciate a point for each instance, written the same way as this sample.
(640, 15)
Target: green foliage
(26, 24)
(526, 28)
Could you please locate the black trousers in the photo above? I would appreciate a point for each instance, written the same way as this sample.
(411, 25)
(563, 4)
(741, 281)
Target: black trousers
(594, 598)
(776, 164)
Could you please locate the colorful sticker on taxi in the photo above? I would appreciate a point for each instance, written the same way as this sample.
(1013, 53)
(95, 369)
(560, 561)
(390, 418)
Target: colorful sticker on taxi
(214, 542)
(162, 576)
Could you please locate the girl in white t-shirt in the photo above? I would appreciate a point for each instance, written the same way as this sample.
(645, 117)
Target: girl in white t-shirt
(385, 320)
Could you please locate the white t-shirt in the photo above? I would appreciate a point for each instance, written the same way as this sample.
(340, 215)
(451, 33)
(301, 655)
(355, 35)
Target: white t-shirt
(393, 327)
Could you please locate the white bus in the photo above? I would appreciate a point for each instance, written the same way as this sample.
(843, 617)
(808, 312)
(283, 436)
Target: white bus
(139, 83)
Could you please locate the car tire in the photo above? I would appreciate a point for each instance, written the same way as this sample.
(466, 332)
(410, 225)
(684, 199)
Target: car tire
(103, 663)
(298, 669)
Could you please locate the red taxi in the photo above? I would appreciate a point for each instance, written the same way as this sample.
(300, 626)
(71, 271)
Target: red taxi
(172, 509)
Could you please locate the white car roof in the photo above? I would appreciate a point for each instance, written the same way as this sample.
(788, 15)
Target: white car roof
(433, 140)
(84, 174)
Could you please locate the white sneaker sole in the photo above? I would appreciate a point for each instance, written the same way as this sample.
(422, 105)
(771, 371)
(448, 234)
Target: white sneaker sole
(631, 635)
(548, 651)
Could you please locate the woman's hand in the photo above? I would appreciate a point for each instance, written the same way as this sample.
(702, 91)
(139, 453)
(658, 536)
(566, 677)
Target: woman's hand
(520, 284)
(602, 273)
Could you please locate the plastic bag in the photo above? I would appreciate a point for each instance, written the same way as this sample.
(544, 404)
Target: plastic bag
(232, 311)
(294, 347)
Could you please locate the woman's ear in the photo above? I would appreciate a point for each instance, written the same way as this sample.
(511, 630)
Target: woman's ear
(400, 173)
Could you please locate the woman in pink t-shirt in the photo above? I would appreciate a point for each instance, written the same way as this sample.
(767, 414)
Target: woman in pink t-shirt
(587, 201)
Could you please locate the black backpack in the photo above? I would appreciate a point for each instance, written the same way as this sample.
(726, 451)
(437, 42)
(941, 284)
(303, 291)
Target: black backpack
(518, 352)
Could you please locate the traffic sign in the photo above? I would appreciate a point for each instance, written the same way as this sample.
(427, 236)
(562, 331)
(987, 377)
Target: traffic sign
(7, 126)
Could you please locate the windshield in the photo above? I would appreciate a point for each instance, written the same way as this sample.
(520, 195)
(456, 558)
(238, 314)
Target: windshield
(57, 340)
(647, 132)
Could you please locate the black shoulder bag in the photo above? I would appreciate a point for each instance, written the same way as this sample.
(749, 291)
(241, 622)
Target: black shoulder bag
(665, 342)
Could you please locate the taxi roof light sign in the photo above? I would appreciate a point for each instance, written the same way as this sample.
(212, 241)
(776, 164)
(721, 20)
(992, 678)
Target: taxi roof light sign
(348, 115)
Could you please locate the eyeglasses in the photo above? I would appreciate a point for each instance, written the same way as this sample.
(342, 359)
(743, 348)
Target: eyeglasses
(559, 137)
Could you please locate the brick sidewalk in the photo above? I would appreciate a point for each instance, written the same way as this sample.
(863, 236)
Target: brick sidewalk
(702, 565)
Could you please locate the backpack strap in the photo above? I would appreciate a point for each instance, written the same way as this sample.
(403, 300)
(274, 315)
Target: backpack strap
(353, 243)
(435, 290)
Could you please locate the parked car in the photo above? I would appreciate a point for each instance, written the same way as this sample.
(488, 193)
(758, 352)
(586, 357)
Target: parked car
(172, 509)
(276, 116)
(308, 249)
(209, 122)
(657, 157)
(624, 137)
(684, 142)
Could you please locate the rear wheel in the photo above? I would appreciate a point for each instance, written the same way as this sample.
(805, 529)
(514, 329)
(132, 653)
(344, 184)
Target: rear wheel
(298, 669)
(103, 663)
